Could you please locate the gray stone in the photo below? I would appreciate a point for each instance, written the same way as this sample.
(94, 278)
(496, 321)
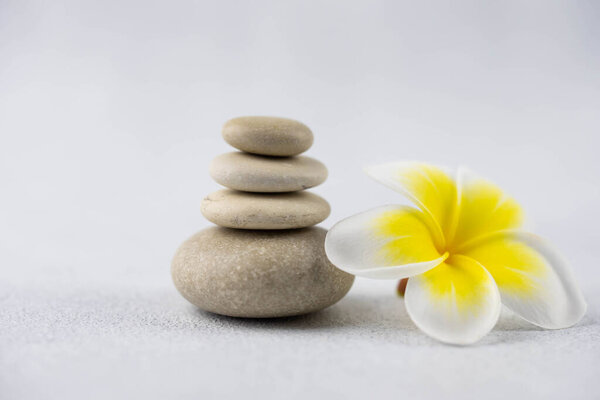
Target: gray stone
(258, 274)
(243, 210)
(270, 136)
(252, 173)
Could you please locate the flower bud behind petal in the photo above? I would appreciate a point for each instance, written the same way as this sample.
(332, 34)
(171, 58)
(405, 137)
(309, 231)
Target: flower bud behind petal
(401, 289)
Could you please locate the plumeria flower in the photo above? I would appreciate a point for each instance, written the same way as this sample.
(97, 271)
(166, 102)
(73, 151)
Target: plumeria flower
(463, 251)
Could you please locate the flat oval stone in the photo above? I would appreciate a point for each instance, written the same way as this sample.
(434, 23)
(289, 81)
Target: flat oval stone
(258, 274)
(252, 173)
(270, 136)
(243, 210)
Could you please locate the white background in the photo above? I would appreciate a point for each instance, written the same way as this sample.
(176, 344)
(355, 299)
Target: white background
(110, 112)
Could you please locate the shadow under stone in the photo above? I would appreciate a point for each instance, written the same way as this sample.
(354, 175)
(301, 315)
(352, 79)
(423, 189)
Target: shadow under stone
(352, 311)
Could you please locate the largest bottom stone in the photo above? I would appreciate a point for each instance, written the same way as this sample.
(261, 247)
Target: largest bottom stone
(247, 273)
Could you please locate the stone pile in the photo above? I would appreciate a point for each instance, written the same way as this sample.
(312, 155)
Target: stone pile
(265, 258)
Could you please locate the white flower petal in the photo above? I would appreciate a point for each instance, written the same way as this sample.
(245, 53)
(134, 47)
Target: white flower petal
(431, 188)
(390, 242)
(456, 302)
(534, 280)
(483, 209)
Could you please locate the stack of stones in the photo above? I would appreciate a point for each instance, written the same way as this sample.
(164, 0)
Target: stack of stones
(265, 258)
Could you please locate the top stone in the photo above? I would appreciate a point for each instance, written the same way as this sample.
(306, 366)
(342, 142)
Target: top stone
(269, 136)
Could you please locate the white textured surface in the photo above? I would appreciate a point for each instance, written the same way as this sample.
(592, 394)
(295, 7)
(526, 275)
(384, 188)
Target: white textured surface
(110, 112)
(126, 336)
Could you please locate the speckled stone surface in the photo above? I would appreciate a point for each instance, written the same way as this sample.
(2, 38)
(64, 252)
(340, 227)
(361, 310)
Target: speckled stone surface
(272, 136)
(252, 173)
(243, 210)
(243, 273)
